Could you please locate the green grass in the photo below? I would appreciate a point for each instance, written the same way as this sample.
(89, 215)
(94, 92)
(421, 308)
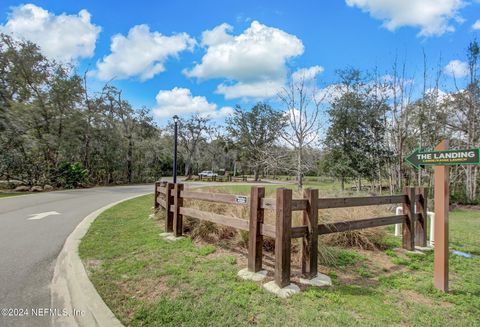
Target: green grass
(7, 195)
(147, 281)
(330, 188)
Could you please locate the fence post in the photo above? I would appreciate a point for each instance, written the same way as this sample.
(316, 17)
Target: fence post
(255, 238)
(155, 200)
(408, 227)
(282, 237)
(177, 217)
(310, 241)
(169, 201)
(421, 211)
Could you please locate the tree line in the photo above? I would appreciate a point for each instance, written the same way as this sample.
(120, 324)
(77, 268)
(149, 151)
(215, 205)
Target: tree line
(55, 130)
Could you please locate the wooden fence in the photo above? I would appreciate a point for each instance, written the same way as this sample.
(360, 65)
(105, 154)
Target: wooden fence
(170, 197)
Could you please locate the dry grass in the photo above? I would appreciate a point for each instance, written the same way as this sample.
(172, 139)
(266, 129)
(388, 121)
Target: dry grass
(367, 239)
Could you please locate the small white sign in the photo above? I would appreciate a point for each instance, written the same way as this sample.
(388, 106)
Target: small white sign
(240, 199)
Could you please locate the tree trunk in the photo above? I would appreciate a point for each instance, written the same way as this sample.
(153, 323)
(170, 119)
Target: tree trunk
(188, 170)
(470, 183)
(299, 169)
(129, 160)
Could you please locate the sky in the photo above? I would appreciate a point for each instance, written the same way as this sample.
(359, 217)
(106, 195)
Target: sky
(184, 57)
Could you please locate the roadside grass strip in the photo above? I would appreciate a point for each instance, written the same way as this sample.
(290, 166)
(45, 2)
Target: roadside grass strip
(149, 281)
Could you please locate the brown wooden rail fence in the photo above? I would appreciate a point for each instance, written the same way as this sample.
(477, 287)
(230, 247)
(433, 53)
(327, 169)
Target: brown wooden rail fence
(170, 197)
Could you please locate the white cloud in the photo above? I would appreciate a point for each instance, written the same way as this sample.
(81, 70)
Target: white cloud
(179, 101)
(252, 62)
(221, 113)
(431, 16)
(217, 35)
(456, 68)
(438, 95)
(141, 53)
(307, 73)
(476, 25)
(63, 37)
(256, 89)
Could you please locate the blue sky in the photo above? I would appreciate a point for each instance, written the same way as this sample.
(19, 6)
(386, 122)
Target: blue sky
(212, 72)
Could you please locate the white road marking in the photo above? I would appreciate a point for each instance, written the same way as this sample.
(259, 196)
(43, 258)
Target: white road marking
(42, 215)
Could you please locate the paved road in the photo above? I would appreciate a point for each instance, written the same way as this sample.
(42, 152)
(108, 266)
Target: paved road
(29, 248)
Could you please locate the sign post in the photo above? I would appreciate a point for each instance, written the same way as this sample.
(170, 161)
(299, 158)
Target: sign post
(441, 158)
(442, 200)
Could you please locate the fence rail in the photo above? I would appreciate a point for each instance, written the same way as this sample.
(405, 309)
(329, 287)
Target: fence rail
(171, 198)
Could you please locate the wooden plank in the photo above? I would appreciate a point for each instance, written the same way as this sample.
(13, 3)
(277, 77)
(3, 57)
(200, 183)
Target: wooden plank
(327, 203)
(421, 195)
(215, 218)
(408, 226)
(162, 190)
(283, 237)
(299, 204)
(299, 231)
(155, 202)
(268, 203)
(267, 230)
(177, 215)
(255, 238)
(217, 197)
(162, 203)
(169, 201)
(310, 240)
(344, 226)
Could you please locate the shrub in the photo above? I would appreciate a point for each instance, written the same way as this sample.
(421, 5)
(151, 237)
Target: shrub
(366, 239)
(72, 175)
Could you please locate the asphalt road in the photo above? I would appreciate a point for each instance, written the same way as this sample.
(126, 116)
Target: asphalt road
(29, 248)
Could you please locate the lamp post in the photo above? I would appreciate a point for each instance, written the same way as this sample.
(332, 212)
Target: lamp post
(175, 136)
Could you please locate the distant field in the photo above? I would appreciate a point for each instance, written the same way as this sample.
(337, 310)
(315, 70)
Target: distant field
(147, 281)
(326, 188)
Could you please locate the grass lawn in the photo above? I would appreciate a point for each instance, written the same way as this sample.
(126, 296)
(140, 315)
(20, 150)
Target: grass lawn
(329, 188)
(6, 195)
(147, 281)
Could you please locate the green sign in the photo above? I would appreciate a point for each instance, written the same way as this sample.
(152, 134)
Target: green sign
(443, 158)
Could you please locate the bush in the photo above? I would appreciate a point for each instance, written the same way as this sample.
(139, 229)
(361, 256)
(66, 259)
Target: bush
(366, 239)
(72, 175)
(460, 197)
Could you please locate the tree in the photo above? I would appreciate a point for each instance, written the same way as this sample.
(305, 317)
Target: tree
(464, 106)
(355, 139)
(401, 88)
(50, 124)
(302, 112)
(345, 136)
(191, 133)
(254, 132)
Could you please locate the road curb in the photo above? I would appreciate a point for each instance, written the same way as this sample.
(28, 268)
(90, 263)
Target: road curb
(71, 289)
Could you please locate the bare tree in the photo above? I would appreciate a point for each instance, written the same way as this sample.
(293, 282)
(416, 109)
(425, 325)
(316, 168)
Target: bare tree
(464, 105)
(303, 111)
(401, 91)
